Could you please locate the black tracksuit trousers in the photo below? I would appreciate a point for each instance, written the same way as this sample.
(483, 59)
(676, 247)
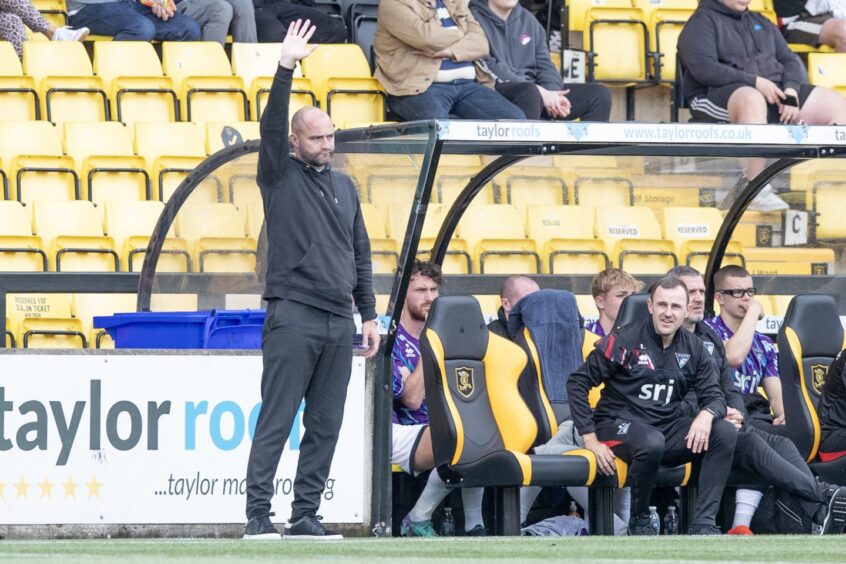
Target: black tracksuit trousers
(644, 448)
(307, 355)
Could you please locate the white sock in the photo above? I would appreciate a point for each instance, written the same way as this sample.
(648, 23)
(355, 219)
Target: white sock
(745, 504)
(434, 492)
(528, 495)
(471, 499)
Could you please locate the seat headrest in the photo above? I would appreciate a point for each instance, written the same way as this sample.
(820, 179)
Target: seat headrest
(816, 322)
(460, 325)
(632, 310)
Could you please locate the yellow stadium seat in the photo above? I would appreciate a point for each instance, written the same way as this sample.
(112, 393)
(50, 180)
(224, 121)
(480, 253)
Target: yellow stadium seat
(457, 259)
(18, 95)
(665, 20)
(171, 151)
(84, 307)
(68, 89)
(384, 251)
(828, 69)
(634, 237)
(203, 78)
(355, 102)
(138, 91)
(73, 232)
(20, 250)
(254, 219)
(693, 231)
(106, 161)
(825, 198)
(602, 188)
(243, 189)
(54, 11)
(216, 236)
(31, 154)
(44, 321)
(11, 342)
(767, 261)
(173, 302)
(334, 61)
(496, 235)
(765, 8)
(223, 134)
(451, 181)
(533, 186)
(130, 225)
(391, 186)
(587, 305)
(490, 304)
(565, 236)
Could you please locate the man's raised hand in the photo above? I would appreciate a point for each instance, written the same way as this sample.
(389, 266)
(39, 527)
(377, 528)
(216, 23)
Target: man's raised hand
(295, 46)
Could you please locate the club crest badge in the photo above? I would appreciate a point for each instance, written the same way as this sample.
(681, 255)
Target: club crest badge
(818, 373)
(464, 381)
(709, 346)
(682, 359)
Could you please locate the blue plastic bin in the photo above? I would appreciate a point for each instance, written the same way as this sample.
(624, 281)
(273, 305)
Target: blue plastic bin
(215, 329)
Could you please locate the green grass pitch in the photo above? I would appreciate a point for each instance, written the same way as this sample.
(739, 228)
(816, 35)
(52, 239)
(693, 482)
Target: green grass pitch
(769, 550)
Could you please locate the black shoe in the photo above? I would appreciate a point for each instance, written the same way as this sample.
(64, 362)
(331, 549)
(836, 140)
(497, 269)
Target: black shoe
(641, 527)
(260, 528)
(704, 530)
(477, 531)
(835, 511)
(310, 528)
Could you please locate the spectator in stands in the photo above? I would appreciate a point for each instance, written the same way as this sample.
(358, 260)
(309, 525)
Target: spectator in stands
(17, 15)
(425, 60)
(411, 410)
(274, 16)
(523, 71)
(832, 411)
(318, 262)
(134, 20)
(813, 22)
(771, 457)
(738, 69)
(513, 289)
(609, 288)
(647, 368)
(217, 17)
(752, 355)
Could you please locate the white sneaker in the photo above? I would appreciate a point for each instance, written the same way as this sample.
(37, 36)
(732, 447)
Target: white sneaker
(68, 34)
(768, 201)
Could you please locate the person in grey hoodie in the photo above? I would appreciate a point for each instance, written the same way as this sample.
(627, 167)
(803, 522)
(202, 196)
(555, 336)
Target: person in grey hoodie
(523, 71)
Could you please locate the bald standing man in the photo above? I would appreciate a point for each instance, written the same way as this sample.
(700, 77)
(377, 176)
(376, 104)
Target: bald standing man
(318, 264)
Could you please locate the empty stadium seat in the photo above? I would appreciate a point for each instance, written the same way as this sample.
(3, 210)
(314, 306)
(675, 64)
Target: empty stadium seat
(204, 81)
(602, 188)
(451, 182)
(216, 237)
(457, 259)
(68, 89)
(565, 236)
(665, 20)
(254, 219)
(171, 151)
(223, 134)
(824, 197)
(242, 188)
(44, 321)
(84, 307)
(828, 69)
(20, 250)
(634, 238)
(390, 186)
(384, 251)
(130, 225)
(18, 95)
(334, 61)
(73, 233)
(532, 186)
(256, 64)
(762, 261)
(31, 155)
(138, 91)
(693, 231)
(107, 164)
(498, 242)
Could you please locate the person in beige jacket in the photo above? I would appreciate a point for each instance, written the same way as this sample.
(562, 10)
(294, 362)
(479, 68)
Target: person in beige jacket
(425, 58)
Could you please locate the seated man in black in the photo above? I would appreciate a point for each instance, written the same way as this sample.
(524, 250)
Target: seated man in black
(832, 411)
(648, 368)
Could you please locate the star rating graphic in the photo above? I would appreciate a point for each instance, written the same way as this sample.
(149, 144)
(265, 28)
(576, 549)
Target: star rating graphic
(22, 489)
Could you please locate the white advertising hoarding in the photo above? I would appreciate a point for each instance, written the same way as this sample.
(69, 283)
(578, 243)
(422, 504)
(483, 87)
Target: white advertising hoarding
(111, 439)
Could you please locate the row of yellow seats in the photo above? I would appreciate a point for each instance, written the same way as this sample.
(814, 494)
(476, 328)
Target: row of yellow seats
(496, 238)
(66, 320)
(70, 236)
(194, 81)
(103, 161)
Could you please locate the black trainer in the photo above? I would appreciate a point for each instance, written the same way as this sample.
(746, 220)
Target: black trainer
(835, 511)
(704, 530)
(310, 528)
(260, 528)
(641, 527)
(477, 531)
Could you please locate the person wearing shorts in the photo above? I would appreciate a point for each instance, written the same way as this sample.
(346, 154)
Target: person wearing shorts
(811, 23)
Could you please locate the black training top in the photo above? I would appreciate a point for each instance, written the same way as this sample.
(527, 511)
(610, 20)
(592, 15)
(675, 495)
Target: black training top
(318, 250)
(832, 409)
